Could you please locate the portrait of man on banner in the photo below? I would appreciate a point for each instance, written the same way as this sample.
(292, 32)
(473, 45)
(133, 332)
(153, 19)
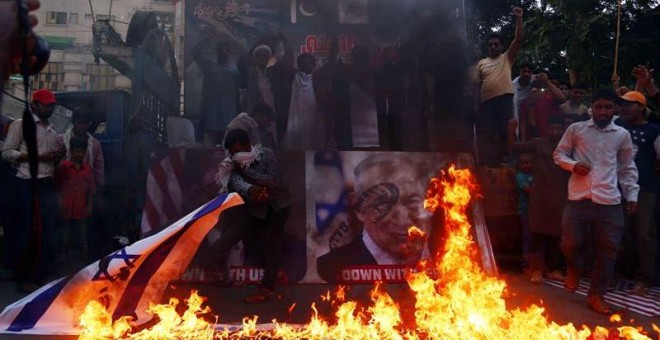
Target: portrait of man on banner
(381, 227)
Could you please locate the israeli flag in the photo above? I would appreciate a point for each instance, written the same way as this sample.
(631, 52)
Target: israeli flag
(124, 281)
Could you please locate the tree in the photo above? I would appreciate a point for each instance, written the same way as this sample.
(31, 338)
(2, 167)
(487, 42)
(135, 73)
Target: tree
(575, 39)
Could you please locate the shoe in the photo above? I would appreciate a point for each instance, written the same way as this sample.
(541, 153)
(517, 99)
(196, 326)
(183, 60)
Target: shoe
(640, 289)
(597, 304)
(556, 275)
(537, 277)
(261, 295)
(571, 282)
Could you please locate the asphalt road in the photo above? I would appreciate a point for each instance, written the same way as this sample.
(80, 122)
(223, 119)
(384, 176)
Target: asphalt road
(228, 304)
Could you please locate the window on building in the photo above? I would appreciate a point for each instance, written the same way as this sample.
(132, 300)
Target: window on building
(56, 18)
(106, 17)
(51, 77)
(88, 19)
(101, 77)
(73, 18)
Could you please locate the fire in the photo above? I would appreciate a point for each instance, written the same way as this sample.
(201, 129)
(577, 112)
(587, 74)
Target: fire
(96, 322)
(462, 302)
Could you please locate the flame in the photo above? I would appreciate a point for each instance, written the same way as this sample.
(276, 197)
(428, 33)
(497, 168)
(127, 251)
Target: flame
(462, 302)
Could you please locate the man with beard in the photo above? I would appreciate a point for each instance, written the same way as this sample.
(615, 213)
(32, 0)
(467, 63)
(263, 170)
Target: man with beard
(388, 200)
(600, 156)
(32, 265)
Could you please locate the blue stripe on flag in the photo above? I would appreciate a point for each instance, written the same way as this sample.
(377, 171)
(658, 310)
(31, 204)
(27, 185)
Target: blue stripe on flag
(215, 204)
(35, 309)
(134, 290)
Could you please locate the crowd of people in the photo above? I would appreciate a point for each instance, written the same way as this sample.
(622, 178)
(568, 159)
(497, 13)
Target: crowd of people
(587, 169)
(587, 173)
(70, 177)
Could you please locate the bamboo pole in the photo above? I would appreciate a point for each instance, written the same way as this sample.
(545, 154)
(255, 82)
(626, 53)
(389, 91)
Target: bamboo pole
(615, 75)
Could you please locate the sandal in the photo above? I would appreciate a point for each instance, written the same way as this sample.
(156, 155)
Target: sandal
(260, 296)
(596, 303)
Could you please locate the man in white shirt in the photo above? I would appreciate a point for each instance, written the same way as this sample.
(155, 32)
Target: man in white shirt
(600, 157)
(32, 263)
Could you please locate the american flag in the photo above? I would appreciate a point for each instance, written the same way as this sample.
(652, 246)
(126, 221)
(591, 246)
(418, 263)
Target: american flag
(179, 182)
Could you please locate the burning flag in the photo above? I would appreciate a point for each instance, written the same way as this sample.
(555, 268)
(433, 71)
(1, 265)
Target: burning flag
(124, 282)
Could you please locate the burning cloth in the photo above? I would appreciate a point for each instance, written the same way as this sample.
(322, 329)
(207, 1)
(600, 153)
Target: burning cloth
(124, 281)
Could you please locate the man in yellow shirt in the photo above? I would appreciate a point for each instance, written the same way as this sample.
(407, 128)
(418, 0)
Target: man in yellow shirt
(496, 96)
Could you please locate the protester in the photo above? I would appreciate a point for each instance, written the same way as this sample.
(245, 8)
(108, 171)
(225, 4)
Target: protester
(600, 157)
(495, 96)
(75, 183)
(574, 105)
(392, 87)
(539, 106)
(522, 86)
(388, 199)
(524, 181)
(251, 171)
(641, 229)
(257, 125)
(305, 129)
(81, 120)
(220, 99)
(32, 264)
(645, 82)
(547, 197)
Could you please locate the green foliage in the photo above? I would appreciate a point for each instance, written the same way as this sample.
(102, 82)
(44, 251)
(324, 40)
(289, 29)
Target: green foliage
(575, 39)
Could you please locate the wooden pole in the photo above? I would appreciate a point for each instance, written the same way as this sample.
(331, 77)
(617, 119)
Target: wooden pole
(615, 75)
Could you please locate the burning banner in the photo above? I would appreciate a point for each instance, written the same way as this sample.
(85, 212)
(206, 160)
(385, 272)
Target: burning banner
(124, 282)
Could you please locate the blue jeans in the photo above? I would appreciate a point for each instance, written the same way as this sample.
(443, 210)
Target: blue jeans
(36, 249)
(603, 223)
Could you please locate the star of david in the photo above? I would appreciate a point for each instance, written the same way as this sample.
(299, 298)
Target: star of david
(129, 259)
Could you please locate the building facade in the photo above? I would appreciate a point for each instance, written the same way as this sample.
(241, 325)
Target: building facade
(67, 26)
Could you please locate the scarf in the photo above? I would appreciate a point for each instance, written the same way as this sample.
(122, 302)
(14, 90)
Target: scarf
(89, 157)
(242, 159)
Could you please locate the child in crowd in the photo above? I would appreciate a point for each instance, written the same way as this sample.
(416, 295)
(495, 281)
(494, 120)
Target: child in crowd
(75, 184)
(547, 197)
(524, 184)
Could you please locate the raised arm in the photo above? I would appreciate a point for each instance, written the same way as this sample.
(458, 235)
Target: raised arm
(517, 39)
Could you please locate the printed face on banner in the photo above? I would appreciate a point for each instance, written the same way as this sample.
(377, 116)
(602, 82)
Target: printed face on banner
(366, 204)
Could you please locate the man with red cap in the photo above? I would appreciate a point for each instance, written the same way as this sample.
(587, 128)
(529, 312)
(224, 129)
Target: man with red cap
(639, 240)
(32, 265)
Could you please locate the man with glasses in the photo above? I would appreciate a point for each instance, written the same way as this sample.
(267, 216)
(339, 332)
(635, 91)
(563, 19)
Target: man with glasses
(496, 96)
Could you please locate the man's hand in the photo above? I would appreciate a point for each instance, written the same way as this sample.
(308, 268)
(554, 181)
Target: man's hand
(517, 12)
(631, 207)
(543, 78)
(258, 194)
(512, 125)
(643, 74)
(10, 37)
(581, 169)
(48, 156)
